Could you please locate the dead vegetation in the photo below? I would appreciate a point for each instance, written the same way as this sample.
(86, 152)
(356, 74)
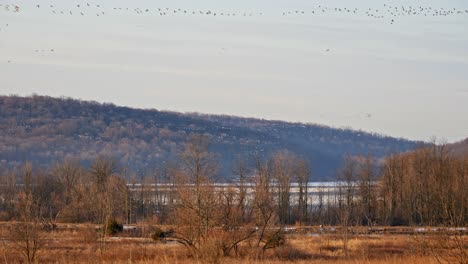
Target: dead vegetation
(72, 243)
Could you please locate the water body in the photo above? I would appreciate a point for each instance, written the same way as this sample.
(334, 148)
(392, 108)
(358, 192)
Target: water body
(355, 66)
(318, 193)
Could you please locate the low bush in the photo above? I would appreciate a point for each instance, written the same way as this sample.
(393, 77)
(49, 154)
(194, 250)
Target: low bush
(158, 234)
(113, 227)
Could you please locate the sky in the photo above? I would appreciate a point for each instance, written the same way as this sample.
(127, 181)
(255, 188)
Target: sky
(404, 78)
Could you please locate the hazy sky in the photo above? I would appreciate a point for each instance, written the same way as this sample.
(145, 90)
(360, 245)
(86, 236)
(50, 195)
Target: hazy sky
(407, 79)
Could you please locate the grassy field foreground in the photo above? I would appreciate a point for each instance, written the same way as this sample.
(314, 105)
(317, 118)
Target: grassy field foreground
(80, 244)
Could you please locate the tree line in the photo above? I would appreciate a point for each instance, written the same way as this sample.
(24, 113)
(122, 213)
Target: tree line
(423, 187)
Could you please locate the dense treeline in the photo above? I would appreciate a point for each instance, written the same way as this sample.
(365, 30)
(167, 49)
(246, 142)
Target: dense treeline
(423, 187)
(43, 130)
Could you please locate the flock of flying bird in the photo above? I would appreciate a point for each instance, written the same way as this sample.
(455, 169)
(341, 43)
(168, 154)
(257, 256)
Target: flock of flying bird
(387, 11)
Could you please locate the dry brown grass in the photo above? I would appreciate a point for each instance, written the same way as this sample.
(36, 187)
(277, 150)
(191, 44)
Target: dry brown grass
(78, 244)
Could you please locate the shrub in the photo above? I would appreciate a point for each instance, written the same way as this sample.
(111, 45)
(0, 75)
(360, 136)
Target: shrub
(158, 234)
(113, 227)
(210, 251)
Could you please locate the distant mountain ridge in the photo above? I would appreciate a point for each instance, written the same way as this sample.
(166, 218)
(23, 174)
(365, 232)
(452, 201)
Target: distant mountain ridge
(43, 129)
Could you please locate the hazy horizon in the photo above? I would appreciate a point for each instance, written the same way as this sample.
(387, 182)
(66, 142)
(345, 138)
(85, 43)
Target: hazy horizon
(407, 78)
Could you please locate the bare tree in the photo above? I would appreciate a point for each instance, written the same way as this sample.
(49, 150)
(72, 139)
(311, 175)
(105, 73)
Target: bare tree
(49, 197)
(303, 173)
(282, 170)
(8, 192)
(234, 229)
(67, 174)
(269, 229)
(26, 235)
(392, 177)
(346, 203)
(366, 178)
(108, 192)
(241, 170)
(196, 209)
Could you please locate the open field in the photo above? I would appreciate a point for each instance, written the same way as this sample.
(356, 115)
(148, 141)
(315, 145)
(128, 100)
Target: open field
(72, 243)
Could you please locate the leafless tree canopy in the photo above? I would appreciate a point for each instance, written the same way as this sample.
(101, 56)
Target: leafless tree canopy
(211, 219)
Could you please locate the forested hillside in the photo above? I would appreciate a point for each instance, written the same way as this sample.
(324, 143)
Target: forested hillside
(459, 148)
(44, 130)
